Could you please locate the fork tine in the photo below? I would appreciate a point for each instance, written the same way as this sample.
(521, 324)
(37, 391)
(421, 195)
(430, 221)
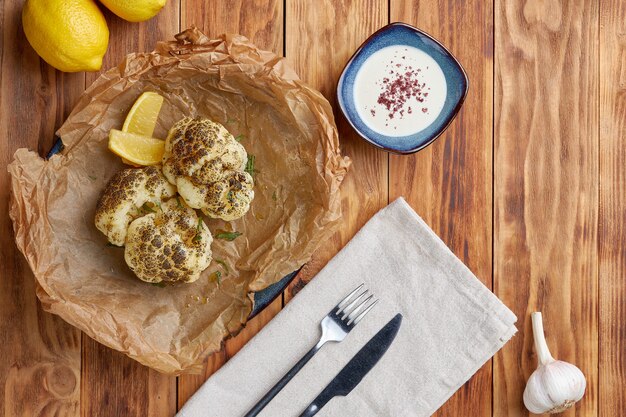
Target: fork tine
(358, 308)
(343, 302)
(348, 309)
(367, 310)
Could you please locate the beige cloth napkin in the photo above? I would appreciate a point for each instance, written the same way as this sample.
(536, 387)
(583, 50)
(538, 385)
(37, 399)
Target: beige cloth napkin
(452, 325)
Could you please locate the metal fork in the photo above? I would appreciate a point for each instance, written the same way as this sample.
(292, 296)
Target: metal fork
(335, 326)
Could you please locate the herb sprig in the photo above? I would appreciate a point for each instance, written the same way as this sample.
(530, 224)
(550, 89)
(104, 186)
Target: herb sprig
(250, 165)
(216, 276)
(198, 236)
(229, 236)
(147, 209)
(224, 265)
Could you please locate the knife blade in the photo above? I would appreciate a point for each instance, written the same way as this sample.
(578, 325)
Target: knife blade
(363, 362)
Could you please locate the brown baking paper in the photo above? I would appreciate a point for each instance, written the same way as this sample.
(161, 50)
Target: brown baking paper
(285, 124)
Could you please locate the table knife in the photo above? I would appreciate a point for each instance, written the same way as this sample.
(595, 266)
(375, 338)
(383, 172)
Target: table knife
(363, 362)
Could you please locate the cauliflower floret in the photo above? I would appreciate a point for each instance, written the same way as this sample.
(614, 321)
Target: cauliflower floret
(207, 164)
(128, 195)
(172, 244)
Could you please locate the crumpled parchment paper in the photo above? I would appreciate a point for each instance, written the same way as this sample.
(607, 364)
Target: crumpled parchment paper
(285, 124)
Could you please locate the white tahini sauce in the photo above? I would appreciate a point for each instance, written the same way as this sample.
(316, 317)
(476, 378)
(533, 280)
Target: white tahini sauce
(399, 90)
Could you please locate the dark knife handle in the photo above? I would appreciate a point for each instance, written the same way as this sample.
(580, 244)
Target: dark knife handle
(254, 411)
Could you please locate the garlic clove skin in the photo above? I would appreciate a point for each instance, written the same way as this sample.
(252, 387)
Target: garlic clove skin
(554, 387)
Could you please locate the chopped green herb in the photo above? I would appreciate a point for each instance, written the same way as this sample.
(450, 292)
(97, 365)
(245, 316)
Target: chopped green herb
(216, 276)
(229, 121)
(158, 284)
(113, 246)
(178, 203)
(274, 197)
(219, 261)
(230, 236)
(146, 208)
(250, 165)
(92, 177)
(198, 236)
(240, 137)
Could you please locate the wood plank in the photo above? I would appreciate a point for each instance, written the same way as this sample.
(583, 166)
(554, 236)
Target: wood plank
(449, 183)
(40, 358)
(546, 189)
(261, 22)
(612, 228)
(320, 38)
(127, 37)
(114, 384)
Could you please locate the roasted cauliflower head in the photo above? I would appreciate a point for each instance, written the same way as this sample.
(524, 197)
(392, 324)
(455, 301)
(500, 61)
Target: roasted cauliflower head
(207, 165)
(129, 194)
(171, 245)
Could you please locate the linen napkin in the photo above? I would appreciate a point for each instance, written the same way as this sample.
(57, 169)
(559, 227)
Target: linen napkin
(452, 325)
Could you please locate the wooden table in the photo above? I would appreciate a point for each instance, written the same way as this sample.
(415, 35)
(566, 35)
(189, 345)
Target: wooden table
(527, 187)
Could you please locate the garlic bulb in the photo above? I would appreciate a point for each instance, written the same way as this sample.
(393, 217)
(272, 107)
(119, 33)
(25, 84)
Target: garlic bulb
(555, 385)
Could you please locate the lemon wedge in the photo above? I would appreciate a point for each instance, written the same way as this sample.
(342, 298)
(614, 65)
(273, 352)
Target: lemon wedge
(136, 149)
(142, 117)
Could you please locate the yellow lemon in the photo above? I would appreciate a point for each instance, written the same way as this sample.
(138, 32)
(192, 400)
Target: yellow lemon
(70, 35)
(137, 149)
(135, 10)
(142, 117)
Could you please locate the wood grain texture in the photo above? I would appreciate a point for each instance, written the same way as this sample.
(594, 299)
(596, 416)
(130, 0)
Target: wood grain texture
(612, 228)
(546, 189)
(40, 353)
(114, 384)
(547, 131)
(262, 22)
(449, 183)
(127, 37)
(320, 38)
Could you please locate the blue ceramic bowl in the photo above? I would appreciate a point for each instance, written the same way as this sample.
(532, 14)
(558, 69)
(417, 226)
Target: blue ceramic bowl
(456, 83)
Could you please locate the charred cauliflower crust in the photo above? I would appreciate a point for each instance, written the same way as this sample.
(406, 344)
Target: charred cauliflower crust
(207, 164)
(172, 244)
(124, 198)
